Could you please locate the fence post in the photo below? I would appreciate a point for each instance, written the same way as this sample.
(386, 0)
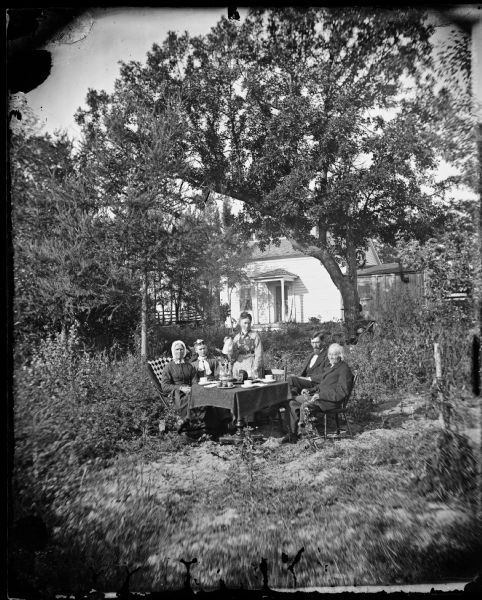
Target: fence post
(439, 384)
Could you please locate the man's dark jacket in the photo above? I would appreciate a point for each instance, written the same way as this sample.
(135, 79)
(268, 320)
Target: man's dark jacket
(316, 371)
(336, 383)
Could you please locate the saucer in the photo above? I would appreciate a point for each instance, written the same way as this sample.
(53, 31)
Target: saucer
(247, 386)
(268, 380)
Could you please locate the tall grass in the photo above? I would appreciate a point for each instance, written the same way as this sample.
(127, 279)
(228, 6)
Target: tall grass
(357, 509)
(399, 355)
(74, 409)
(76, 414)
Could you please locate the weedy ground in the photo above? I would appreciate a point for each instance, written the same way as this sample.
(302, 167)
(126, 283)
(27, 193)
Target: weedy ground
(366, 510)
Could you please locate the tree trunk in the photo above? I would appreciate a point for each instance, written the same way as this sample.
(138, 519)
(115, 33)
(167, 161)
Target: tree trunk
(349, 294)
(216, 304)
(230, 295)
(352, 305)
(346, 284)
(177, 305)
(144, 317)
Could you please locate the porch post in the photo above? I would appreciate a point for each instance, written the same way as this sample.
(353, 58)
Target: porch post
(283, 301)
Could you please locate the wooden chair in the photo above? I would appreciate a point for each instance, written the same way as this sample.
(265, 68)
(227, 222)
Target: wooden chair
(315, 420)
(155, 368)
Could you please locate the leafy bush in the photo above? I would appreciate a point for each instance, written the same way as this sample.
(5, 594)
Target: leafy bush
(290, 345)
(161, 337)
(73, 409)
(399, 353)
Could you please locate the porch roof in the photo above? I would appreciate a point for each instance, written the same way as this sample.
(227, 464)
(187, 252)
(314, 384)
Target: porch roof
(275, 274)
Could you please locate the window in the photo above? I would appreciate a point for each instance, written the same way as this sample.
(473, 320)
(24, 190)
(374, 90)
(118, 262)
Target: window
(245, 300)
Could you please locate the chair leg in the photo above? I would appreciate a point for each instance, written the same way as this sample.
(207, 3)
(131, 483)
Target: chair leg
(347, 425)
(325, 424)
(337, 424)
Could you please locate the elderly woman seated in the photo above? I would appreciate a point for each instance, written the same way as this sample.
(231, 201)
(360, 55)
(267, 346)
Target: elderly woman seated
(335, 385)
(176, 380)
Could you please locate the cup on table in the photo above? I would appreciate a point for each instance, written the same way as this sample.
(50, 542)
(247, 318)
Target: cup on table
(203, 380)
(269, 377)
(248, 382)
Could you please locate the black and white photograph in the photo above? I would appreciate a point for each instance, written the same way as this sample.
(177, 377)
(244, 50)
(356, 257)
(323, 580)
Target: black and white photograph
(244, 300)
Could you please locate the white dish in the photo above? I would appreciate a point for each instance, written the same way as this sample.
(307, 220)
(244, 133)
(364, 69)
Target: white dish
(205, 382)
(265, 380)
(248, 386)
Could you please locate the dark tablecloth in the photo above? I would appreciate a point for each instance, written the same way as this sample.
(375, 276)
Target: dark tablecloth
(240, 401)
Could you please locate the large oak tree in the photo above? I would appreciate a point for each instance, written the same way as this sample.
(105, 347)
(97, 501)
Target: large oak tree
(323, 121)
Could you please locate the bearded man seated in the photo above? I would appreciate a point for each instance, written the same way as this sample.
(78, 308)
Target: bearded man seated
(335, 385)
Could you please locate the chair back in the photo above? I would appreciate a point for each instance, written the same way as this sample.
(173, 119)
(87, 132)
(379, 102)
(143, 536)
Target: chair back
(349, 395)
(156, 367)
(279, 374)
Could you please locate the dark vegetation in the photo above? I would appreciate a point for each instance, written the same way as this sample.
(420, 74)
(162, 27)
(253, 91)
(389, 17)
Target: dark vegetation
(88, 451)
(104, 238)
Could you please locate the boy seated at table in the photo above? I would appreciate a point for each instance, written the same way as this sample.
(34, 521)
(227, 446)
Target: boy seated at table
(205, 365)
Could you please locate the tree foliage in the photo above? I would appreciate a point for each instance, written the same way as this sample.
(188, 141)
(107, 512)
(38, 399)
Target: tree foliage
(63, 266)
(323, 121)
(449, 259)
(328, 123)
(135, 152)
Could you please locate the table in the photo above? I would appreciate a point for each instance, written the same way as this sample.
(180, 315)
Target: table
(239, 400)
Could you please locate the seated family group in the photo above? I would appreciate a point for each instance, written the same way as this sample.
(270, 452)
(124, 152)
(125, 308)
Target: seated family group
(324, 382)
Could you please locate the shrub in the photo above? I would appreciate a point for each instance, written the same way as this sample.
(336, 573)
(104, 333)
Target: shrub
(161, 337)
(290, 345)
(73, 409)
(399, 353)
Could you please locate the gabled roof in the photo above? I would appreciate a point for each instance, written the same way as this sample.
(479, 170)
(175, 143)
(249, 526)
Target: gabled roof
(385, 268)
(275, 274)
(371, 255)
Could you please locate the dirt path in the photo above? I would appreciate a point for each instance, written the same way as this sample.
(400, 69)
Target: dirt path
(351, 503)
